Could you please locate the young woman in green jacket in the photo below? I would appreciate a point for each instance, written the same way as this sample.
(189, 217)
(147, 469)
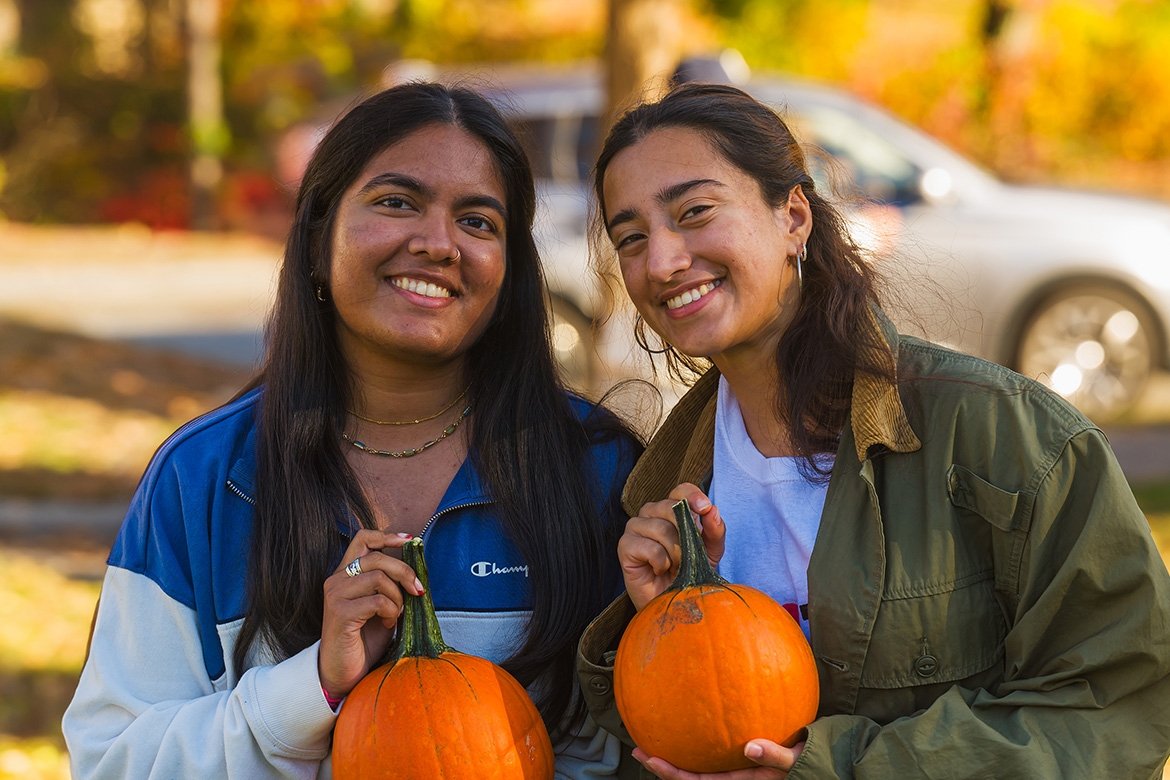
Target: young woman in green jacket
(980, 589)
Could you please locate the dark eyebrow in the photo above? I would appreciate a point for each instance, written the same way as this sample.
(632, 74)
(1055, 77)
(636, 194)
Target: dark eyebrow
(664, 196)
(482, 201)
(625, 215)
(414, 185)
(667, 194)
(396, 180)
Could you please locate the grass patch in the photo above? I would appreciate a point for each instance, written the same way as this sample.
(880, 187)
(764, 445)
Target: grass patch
(1153, 498)
(46, 626)
(46, 617)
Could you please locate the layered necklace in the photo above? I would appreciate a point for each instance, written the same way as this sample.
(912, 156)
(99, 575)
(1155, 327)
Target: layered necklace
(410, 452)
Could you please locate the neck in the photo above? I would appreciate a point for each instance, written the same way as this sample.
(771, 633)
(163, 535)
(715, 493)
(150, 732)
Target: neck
(407, 395)
(757, 391)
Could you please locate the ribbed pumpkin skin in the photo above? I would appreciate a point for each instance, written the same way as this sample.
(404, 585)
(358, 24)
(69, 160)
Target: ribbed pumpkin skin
(452, 717)
(702, 670)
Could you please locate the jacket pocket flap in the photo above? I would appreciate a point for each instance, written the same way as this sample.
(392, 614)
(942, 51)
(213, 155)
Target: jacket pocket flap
(967, 490)
(938, 638)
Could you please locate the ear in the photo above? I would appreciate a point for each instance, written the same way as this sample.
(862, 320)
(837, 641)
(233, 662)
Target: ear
(795, 218)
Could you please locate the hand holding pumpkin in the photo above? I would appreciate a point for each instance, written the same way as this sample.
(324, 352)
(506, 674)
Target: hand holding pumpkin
(649, 549)
(434, 712)
(774, 762)
(708, 667)
(361, 612)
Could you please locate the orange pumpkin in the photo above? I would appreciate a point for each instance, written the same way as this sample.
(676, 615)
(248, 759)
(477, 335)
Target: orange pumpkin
(434, 713)
(707, 666)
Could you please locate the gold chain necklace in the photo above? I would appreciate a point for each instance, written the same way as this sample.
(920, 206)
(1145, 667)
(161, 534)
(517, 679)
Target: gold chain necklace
(411, 452)
(442, 411)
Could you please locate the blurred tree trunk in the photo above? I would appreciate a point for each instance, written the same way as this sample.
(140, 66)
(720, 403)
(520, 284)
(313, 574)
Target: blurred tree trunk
(1010, 35)
(643, 45)
(204, 109)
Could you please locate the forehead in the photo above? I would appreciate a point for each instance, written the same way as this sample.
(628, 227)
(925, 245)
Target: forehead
(663, 157)
(440, 156)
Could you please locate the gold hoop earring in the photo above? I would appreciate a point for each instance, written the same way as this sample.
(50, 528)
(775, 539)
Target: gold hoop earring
(320, 290)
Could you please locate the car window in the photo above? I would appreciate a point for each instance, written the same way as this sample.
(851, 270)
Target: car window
(867, 165)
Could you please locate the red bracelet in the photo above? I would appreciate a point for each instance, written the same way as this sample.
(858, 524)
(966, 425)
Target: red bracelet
(332, 702)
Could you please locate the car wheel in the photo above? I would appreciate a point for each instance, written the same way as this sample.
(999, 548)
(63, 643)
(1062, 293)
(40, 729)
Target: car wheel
(572, 342)
(1093, 345)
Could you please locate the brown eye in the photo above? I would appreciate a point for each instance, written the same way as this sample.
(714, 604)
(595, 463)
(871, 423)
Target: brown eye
(626, 240)
(392, 202)
(480, 223)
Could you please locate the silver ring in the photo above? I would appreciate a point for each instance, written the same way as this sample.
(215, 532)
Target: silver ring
(353, 568)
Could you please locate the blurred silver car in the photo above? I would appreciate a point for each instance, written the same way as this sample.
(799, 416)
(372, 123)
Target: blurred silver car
(1069, 287)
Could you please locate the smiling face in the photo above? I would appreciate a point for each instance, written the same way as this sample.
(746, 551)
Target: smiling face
(418, 250)
(706, 260)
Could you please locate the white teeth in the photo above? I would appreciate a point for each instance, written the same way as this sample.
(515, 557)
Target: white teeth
(428, 289)
(692, 295)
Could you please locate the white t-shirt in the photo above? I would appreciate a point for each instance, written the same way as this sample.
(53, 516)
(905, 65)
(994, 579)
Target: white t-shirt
(771, 511)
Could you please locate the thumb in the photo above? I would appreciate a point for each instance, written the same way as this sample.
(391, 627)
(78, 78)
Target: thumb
(713, 532)
(769, 754)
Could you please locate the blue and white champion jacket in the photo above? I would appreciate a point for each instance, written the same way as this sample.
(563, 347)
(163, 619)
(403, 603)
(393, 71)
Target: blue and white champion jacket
(158, 696)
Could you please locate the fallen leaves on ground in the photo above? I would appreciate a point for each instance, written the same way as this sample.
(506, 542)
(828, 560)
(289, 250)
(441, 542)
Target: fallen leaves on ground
(81, 416)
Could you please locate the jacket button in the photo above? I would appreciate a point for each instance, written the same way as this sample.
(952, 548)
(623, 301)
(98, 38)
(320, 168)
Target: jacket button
(598, 685)
(925, 665)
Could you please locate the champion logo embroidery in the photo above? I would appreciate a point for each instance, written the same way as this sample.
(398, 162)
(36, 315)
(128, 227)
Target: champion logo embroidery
(488, 568)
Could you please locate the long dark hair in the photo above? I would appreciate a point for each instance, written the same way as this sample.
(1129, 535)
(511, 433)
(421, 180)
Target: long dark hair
(831, 335)
(527, 443)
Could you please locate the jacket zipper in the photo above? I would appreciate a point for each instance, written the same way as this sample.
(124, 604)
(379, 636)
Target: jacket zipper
(240, 492)
(442, 512)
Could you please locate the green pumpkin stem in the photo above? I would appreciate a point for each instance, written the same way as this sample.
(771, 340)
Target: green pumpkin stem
(694, 568)
(420, 627)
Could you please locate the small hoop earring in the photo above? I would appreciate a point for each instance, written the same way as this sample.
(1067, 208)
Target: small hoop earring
(320, 290)
(458, 256)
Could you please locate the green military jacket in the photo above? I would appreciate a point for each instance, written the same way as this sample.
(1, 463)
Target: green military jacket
(985, 597)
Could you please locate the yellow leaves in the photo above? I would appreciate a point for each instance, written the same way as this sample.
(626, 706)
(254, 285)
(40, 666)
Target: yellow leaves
(64, 434)
(45, 615)
(46, 619)
(32, 759)
(1072, 90)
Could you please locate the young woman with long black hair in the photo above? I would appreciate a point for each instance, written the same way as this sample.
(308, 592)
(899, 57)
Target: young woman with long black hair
(408, 389)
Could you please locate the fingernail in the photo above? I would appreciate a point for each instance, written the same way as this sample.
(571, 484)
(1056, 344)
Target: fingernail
(418, 585)
(753, 750)
(702, 505)
(404, 536)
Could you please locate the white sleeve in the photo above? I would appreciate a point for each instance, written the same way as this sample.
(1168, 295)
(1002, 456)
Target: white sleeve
(145, 707)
